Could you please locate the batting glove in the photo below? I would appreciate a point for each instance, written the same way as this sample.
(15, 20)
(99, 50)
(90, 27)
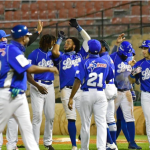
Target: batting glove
(73, 23)
(136, 71)
(133, 95)
(61, 36)
(15, 92)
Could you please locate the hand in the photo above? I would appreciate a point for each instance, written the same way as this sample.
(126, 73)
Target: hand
(133, 95)
(61, 35)
(40, 26)
(132, 62)
(73, 23)
(120, 39)
(70, 104)
(54, 70)
(42, 90)
(136, 71)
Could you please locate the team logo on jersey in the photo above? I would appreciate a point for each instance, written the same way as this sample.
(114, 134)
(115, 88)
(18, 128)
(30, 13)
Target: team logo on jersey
(94, 65)
(68, 63)
(146, 74)
(123, 67)
(2, 51)
(44, 63)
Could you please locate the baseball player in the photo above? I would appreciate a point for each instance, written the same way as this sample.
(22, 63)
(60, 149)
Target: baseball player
(124, 99)
(67, 63)
(111, 93)
(92, 74)
(141, 71)
(12, 126)
(42, 90)
(13, 83)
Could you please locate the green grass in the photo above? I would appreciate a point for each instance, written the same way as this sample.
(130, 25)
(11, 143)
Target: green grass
(121, 146)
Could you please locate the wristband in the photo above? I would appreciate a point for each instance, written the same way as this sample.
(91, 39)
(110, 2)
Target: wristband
(79, 28)
(59, 40)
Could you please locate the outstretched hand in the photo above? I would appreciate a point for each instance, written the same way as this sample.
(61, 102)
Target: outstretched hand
(61, 35)
(73, 23)
(120, 39)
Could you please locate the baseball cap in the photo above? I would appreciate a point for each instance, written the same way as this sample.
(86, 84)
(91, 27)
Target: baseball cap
(3, 34)
(19, 31)
(145, 43)
(94, 46)
(126, 48)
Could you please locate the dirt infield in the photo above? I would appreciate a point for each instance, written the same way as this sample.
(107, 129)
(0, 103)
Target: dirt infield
(67, 141)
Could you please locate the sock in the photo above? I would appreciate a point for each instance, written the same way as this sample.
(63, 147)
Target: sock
(109, 139)
(118, 123)
(131, 130)
(113, 130)
(72, 131)
(125, 129)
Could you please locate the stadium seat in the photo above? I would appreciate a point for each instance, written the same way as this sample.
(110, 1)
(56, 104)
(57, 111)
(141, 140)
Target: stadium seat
(9, 15)
(81, 12)
(107, 4)
(34, 14)
(116, 20)
(50, 5)
(42, 5)
(8, 4)
(68, 5)
(34, 7)
(26, 15)
(43, 14)
(59, 5)
(72, 13)
(89, 22)
(116, 3)
(90, 11)
(18, 15)
(45, 31)
(80, 4)
(63, 13)
(145, 10)
(64, 23)
(33, 24)
(52, 14)
(125, 6)
(126, 20)
(1, 9)
(16, 4)
(146, 19)
(108, 13)
(25, 7)
(98, 5)
(82, 22)
(8, 25)
(1, 25)
(89, 4)
(135, 19)
(26, 24)
(135, 10)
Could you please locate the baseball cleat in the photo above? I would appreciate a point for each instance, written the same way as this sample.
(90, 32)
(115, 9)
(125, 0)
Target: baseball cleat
(79, 137)
(111, 146)
(133, 145)
(14, 148)
(74, 148)
(50, 147)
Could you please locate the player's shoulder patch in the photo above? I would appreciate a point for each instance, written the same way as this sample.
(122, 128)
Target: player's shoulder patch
(22, 60)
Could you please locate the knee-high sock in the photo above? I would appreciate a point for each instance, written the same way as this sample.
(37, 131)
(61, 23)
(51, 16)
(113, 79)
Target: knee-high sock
(113, 130)
(72, 131)
(125, 129)
(131, 130)
(109, 139)
(118, 123)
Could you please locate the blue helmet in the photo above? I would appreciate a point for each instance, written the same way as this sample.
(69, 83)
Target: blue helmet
(125, 48)
(133, 52)
(94, 46)
(146, 43)
(19, 31)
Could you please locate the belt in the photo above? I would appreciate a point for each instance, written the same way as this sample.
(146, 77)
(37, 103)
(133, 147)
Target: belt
(44, 82)
(92, 89)
(146, 91)
(122, 90)
(69, 87)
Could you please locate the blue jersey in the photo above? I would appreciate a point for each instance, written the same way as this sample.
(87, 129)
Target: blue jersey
(13, 66)
(93, 72)
(144, 76)
(43, 59)
(122, 71)
(110, 62)
(67, 64)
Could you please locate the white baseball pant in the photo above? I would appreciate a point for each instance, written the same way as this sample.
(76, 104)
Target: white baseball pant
(19, 108)
(43, 102)
(110, 111)
(124, 100)
(95, 102)
(12, 133)
(65, 94)
(145, 103)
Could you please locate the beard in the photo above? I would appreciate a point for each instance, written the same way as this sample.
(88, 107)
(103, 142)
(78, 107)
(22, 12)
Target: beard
(69, 50)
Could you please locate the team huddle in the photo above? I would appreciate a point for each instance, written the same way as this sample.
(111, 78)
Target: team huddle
(91, 81)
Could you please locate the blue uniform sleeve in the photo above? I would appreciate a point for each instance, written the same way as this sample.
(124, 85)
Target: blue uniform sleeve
(17, 60)
(80, 73)
(57, 60)
(83, 53)
(32, 58)
(110, 74)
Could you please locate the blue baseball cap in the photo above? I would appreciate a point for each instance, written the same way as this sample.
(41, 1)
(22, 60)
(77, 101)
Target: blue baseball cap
(19, 31)
(94, 46)
(145, 43)
(3, 34)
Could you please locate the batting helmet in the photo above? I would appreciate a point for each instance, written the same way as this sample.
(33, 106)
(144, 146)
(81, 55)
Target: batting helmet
(126, 48)
(105, 44)
(94, 46)
(19, 31)
(146, 43)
